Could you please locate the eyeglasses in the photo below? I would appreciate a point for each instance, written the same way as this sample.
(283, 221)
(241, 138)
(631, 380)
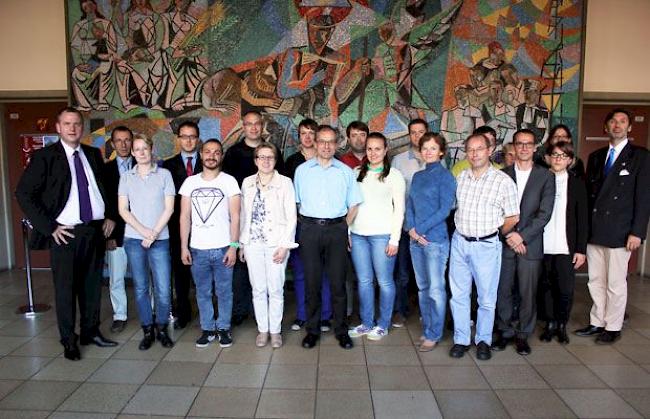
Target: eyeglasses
(560, 156)
(252, 124)
(524, 145)
(265, 158)
(321, 142)
(188, 137)
(475, 150)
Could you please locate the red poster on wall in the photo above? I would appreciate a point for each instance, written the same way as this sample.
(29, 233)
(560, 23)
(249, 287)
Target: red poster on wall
(32, 142)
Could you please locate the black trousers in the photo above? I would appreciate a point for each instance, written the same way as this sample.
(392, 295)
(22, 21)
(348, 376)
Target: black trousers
(526, 273)
(323, 248)
(242, 293)
(556, 287)
(77, 273)
(182, 276)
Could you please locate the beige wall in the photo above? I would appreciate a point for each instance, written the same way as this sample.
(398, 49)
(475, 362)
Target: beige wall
(616, 58)
(33, 45)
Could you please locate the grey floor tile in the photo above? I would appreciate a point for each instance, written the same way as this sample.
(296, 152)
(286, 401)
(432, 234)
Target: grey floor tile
(639, 354)
(536, 403)
(162, 400)
(38, 395)
(21, 367)
(129, 350)
(293, 404)
(505, 357)
(294, 355)
(456, 378)
(24, 414)
(632, 337)
(512, 376)
(639, 399)
(343, 404)
(569, 376)
(237, 375)
(80, 415)
(384, 377)
(245, 354)
(552, 355)
(470, 404)
(38, 346)
(291, 377)
(404, 404)
(92, 351)
(26, 327)
(392, 355)
(440, 356)
(187, 351)
(226, 402)
(99, 397)
(10, 343)
(395, 337)
(126, 416)
(61, 369)
(180, 373)
(597, 404)
(333, 355)
(622, 376)
(342, 377)
(7, 386)
(123, 371)
(599, 355)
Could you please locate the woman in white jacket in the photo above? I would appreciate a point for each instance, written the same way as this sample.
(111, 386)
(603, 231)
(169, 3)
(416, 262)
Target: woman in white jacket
(268, 229)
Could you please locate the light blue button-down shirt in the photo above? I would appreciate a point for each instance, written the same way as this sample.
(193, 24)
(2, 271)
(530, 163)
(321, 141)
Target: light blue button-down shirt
(326, 192)
(123, 164)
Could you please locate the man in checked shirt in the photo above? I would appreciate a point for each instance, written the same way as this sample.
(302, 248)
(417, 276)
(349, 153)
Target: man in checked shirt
(486, 203)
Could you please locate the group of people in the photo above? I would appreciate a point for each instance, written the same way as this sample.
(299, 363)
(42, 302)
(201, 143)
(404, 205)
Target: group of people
(232, 222)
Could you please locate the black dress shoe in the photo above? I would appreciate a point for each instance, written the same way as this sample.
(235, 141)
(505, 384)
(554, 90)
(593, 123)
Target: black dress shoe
(148, 339)
(98, 340)
(458, 350)
(500, 343)
(483, 351)
(589, 331)
(562, 336)
(71, 351)
(522, 346)
(310, 340)
(118, 326)
(344, 341)
(607, 337)
(163, 337)
(549, 332)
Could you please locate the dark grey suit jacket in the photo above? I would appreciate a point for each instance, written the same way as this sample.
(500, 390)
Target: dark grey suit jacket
(535, 210)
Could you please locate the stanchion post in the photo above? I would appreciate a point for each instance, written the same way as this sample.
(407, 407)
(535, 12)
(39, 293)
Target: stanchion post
(31, 309)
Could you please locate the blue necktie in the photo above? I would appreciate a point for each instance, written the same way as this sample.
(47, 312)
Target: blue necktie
(610, 161)
(85, 209)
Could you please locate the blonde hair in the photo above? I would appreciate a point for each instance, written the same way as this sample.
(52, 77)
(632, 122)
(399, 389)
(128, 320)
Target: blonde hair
(148, 141)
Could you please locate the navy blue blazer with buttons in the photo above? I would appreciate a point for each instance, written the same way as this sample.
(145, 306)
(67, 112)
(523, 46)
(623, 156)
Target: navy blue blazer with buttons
(619, 202)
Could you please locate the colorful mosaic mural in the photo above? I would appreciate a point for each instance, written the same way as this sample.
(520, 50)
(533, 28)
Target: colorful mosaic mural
(458, 64)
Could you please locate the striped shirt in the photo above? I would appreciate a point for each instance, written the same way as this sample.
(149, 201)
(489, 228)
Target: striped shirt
(484, 202)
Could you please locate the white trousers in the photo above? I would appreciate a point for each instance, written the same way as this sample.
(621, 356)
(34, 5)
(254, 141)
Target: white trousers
(117, 263)
(267, 283)
(607, 285)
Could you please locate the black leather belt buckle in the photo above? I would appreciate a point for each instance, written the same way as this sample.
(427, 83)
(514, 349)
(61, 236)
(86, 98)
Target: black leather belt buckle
(479, 239)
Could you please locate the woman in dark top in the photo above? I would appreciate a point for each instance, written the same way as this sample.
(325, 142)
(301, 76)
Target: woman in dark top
(558, 133)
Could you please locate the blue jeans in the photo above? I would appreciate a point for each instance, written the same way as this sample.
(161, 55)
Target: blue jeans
(370, 261)
(157, 260)
(429, 264)
(480, 260)
(208, 270)
(403, 275)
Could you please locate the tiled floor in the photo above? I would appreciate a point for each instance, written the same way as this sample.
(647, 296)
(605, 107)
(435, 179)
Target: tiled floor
(386, 379)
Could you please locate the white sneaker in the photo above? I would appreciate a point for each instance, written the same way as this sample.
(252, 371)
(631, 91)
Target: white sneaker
(377, 333)
(359, 331)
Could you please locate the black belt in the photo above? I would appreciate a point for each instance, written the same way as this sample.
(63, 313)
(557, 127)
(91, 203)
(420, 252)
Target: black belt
(479, 239)
(92, 223)
(321, 221)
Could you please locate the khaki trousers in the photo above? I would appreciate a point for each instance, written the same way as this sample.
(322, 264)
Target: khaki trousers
(607, 285)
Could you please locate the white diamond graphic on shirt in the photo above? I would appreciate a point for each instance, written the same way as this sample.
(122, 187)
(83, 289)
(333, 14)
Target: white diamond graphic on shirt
(205, 201)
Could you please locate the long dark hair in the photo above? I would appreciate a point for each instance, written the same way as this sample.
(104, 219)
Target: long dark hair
(364, 164)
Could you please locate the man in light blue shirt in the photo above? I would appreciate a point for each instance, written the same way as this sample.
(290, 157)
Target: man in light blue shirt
(328, 196)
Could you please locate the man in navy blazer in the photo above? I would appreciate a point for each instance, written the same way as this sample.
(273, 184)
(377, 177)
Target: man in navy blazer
(618, 188)
(62, 193)
(523, 252)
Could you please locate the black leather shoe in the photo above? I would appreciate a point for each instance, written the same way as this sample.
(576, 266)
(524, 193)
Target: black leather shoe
(344, 341)
(562, 336)
(549, 332)
(522, 346)
(458, 350)
(181, 323)
(148, 339)
(71, 351)
(589, 331)
(163, 337)
(607, 337)
(310, 340)
(118, 326)
(501, 343)
(238, 319)
(98, 340)
(483, 351)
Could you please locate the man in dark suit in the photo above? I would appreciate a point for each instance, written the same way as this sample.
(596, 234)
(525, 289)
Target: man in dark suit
(524, 251)
(121, 140)
(618, 179)
(184, 164)
(62, 193)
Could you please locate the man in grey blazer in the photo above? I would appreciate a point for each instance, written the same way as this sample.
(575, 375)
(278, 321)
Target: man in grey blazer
(524, 250)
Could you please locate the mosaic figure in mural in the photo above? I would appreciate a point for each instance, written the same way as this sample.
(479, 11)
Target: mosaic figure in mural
(458, 64)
